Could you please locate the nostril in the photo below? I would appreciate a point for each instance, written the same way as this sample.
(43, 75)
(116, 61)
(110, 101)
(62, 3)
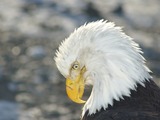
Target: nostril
(70, 87)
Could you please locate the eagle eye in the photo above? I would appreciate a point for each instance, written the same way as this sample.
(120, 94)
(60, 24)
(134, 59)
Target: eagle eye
(75, 66)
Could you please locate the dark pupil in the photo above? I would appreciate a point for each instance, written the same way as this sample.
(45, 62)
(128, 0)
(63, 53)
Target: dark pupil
(75, 66)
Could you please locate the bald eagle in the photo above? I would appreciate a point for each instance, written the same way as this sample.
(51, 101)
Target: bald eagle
(101, 55)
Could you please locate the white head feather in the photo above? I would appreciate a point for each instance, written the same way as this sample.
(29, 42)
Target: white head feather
(113, 61)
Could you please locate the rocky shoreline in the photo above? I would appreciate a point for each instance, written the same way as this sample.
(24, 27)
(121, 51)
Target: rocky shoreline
(31, 88)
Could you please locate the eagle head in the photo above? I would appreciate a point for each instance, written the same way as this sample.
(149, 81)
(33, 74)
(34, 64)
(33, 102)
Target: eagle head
(101, 55)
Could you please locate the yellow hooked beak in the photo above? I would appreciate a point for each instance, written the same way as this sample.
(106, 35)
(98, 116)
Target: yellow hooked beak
(75, 88)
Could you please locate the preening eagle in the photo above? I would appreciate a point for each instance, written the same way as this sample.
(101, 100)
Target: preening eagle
(101, 55)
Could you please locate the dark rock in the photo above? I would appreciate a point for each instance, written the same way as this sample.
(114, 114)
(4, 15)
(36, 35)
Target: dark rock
(91, 11)
(119, 10)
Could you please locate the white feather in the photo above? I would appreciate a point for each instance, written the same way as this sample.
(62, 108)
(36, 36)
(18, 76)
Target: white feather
(113, 60)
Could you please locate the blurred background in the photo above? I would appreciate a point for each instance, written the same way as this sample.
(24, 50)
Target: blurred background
(31, 88)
